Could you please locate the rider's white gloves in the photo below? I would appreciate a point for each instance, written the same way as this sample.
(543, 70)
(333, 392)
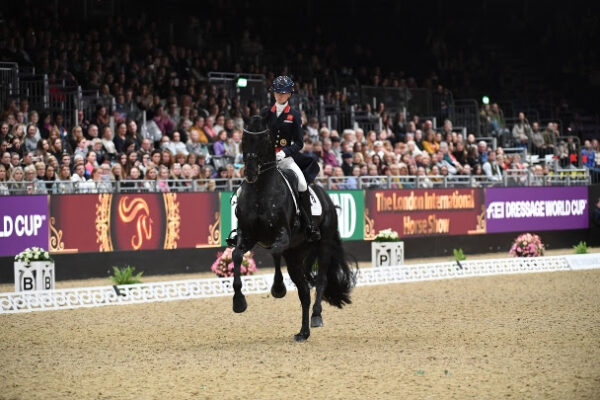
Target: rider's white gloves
(280, 155)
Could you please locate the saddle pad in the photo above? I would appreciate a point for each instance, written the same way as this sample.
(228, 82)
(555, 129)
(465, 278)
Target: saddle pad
(315, 204)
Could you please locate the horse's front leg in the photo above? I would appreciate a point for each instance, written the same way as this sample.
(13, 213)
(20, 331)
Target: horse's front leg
(239, 300)
(295, 269)
(278, 289)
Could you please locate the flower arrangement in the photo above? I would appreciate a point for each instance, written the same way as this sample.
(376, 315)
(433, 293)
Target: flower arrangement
(33, 254)
(387, 235)
(223, 265)
(527, 245)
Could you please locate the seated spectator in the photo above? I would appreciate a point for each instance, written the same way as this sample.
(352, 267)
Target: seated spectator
(429, 143)
(537, 140)
(492, 170)
(162, 120)
(120, 137)
(78, 175)
(63, 184)
(327, 155)
(220, 143)
(16, 184)
(32, 137)
(176, 145)
(3, 181)
(521, 131)
(117, 172)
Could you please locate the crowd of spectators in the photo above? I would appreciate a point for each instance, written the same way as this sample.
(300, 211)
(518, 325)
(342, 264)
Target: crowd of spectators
(194, 129)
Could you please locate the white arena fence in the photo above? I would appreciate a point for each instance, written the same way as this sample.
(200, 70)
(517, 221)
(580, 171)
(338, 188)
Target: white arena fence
(257, 284)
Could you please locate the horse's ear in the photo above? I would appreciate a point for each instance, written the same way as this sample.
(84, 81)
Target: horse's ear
(256, 123)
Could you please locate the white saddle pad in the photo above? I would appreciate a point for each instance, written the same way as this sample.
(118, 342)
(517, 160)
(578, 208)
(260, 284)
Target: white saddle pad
(315, 204)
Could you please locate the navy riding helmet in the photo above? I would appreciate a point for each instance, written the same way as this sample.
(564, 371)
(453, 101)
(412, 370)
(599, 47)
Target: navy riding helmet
(282, 84)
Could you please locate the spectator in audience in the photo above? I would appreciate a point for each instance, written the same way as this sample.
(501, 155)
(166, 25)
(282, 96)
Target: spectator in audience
(5, 161)
(176, 145)
(90, 163)
(429, 144)
(74, 137)
(220, 143)
(107, 143)
(78, 173)
(120, 137)
(327, 155)
(492, 170)
(56, 148)
(32, 137)
(521, 131)
(102, 117)
(3, 181)
(49, 178)
(537, 140)
(162, 120)
(63, 184)
(117, 172)
(16, 183)
(133, 134)
(549, 137)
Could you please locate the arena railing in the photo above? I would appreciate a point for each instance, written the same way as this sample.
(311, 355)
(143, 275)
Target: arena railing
(465, 112)
(510, 178)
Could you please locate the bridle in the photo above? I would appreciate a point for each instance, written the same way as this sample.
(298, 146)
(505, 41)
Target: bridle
(262, 166)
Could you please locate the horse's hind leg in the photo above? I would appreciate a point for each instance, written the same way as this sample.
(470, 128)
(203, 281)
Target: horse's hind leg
(316, 320)
(278, 289)
(297, 274)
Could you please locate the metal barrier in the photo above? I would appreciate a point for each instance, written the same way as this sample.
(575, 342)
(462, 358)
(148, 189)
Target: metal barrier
(394, 98)
(512, 177)
(9, 81)
(465, 112)
(255, 88)
(35, 89)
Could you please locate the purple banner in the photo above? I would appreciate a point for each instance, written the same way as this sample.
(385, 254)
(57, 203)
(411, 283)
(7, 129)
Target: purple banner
(23, 223)
(536, 209)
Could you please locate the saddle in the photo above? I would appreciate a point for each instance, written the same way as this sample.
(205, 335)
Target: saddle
(316, 209)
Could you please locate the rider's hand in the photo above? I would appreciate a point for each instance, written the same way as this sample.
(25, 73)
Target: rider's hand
(280, 155)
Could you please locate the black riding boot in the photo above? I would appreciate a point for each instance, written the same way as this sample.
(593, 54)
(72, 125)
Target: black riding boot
(312, 231)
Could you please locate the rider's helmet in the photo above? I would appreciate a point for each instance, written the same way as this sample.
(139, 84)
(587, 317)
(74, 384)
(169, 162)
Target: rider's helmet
(282, 84)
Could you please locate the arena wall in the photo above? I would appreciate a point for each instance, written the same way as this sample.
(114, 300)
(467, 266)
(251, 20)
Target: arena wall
(166, 233)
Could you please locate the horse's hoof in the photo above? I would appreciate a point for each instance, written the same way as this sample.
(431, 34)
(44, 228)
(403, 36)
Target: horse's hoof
(301, 337)
(278, 290)
(239, 304)
(316, 321)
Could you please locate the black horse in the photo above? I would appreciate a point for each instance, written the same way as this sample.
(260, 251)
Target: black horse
(267, 216)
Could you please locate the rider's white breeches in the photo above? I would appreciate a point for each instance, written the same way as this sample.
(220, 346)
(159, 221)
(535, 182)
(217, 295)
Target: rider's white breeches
(288, 163)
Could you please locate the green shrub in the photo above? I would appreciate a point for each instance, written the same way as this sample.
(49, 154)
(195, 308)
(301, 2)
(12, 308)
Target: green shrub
(124, 276)
(581, 248)
(459, 255)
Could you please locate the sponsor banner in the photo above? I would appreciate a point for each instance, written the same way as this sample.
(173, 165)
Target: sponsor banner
(536, 208)
(23, 223)
(147, 221)
(349, 206)
(425, 212)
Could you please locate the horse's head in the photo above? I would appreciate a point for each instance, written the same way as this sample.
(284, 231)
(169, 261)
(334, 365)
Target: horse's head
(257, 148)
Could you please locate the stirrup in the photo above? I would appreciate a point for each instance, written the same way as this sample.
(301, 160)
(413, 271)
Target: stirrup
(232, 238)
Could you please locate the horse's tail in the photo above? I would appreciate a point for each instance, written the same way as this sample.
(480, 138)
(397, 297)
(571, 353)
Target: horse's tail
(341, 277)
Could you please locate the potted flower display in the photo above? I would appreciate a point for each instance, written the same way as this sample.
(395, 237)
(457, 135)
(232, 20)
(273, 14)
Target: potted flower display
(527, 245)
(387, 249)
(34, 270)
(223, 265)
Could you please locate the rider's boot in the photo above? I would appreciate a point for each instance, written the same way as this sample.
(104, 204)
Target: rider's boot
(312, 232)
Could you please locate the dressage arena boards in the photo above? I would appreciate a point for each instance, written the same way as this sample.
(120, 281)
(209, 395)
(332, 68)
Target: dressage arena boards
(514, 335)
